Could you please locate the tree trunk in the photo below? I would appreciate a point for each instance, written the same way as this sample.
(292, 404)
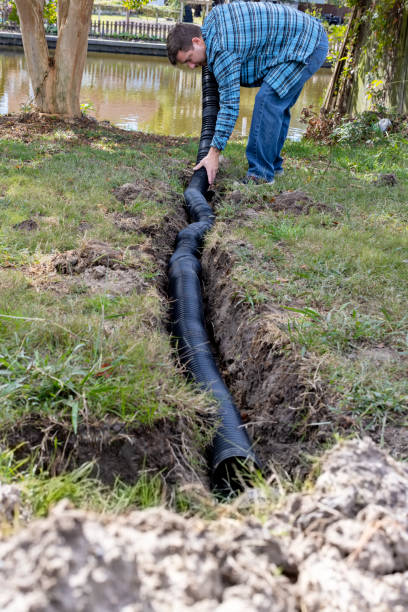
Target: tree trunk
(56, 80)
(376, 49)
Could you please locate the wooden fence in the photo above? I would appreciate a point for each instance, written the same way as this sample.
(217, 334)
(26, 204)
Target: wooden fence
(144, 30)
(134, 29)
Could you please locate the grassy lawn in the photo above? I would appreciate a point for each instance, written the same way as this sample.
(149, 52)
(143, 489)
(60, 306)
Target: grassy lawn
(84, 350)
(327, 245)
(83, 340)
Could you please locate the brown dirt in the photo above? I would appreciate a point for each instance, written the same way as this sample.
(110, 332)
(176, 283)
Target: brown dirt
(142, 189)
(161, 235)
(341, 547)
(292, 202)
(131, 222)
(279, 394)
(118, 450)
(296, 202)
(386, 179)
(96, 267)
(31, 126)
(28, 225)
(91, 255)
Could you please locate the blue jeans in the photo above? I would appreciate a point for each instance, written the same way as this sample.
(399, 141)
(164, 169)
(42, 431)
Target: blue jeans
(271, 118)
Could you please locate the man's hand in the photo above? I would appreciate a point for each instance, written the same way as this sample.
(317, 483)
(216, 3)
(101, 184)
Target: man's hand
(210, 162)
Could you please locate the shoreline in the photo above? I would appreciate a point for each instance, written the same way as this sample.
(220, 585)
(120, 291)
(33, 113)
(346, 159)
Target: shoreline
(104, 45)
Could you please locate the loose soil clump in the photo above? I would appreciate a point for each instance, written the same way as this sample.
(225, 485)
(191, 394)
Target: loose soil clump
(97, 267)
(28, 225)
(91, 254)
(386, 179)
(340, 548)
(142, 189)
(161, 234)
(296, 202)
(28, 127)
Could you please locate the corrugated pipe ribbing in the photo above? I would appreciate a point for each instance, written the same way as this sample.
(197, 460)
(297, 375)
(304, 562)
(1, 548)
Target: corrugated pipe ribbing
(231, 447)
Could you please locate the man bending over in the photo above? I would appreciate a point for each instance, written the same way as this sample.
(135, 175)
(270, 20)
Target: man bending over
(254, 44)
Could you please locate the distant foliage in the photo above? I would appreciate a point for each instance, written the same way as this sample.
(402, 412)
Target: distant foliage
(13, 15)
(364, 127)
(133, 5)
(50, 12)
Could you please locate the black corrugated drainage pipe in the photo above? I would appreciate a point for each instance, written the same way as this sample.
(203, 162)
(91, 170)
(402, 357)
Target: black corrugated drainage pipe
(231, 454)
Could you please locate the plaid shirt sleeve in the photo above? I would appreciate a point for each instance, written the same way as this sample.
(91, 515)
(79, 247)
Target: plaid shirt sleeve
(227, 71)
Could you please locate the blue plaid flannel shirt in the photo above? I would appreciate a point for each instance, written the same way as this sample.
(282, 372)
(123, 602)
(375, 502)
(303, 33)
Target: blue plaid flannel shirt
(251, 42)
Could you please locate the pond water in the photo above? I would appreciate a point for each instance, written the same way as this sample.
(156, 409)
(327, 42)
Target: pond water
(144, 93)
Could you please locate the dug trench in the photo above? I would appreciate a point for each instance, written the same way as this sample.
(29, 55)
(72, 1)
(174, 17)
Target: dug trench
(279, 394)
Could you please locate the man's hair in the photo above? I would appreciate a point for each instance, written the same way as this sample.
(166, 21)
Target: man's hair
(180, 39)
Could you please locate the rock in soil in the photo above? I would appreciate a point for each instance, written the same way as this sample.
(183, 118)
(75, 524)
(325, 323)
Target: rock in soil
(11, 504)
(341, 548)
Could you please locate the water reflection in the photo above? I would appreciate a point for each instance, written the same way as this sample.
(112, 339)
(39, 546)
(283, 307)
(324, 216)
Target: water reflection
(144, 93)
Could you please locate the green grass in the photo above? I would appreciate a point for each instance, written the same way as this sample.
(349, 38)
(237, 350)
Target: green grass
(40, 491)
(71, 351)
(340, 273)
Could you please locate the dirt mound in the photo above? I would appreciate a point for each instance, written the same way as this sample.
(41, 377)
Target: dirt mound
(386, 179)
(30, 126)
(98, 267)
(142, 189)
(352, 553)
(296, 202)
(292, 202)
(341, 548)
(91, 254)
(28, 225)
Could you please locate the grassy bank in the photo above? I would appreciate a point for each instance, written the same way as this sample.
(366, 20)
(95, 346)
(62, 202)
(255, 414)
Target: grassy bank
(87, 371)
(326, 249)
(88, 381)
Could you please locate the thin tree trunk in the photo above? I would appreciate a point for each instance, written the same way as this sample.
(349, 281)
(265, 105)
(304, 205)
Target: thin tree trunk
(4, 10)
(56, 80)
(352, 78)
(339, 93)
(70, 55)
(62, 12)
(399, 90)
(332, 90)
(35, 47)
